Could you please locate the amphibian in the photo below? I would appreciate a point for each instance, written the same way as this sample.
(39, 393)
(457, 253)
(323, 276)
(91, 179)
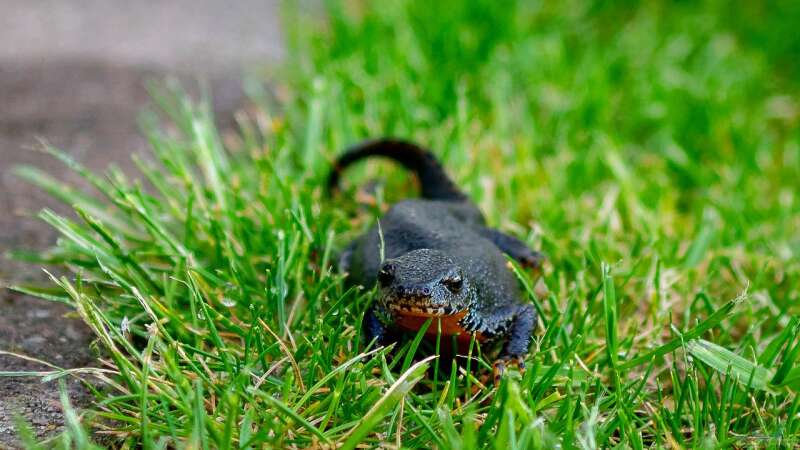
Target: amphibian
(441, 261)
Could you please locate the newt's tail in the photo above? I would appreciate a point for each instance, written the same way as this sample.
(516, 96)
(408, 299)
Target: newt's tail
(436, 185)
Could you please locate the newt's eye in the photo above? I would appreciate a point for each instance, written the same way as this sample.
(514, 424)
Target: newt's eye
(386, 275)
(454, 283)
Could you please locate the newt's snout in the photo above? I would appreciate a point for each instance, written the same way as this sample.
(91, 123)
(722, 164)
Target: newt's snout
(423, 283)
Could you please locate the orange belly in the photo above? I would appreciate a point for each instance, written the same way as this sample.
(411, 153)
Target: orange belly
(449, 325)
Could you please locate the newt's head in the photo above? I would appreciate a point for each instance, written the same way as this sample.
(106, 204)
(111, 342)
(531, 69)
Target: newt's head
(424, 283)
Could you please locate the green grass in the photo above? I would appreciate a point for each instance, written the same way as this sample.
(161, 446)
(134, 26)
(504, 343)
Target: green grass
(651, 151)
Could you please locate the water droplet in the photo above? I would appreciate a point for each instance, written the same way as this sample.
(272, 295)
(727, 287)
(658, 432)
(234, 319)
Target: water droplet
(125, 326)
(229, 302)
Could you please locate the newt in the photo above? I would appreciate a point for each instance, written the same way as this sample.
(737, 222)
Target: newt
(441, 262)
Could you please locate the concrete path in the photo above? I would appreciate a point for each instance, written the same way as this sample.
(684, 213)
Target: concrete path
(72, 73)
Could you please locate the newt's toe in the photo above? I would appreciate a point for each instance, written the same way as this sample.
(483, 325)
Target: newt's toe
(499, 367)
(533, 261)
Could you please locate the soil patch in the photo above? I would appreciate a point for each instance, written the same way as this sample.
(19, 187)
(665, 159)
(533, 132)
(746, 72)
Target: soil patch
(88, 109)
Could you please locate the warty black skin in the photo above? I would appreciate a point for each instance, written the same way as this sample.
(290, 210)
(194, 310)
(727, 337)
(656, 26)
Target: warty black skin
(440, 259)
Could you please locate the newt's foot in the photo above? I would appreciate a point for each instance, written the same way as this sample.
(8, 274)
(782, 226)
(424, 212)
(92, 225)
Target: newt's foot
(500, 365)
(532, 261)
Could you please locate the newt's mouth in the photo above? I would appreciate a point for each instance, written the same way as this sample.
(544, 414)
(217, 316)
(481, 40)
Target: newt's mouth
(423, 311)
(429, 299)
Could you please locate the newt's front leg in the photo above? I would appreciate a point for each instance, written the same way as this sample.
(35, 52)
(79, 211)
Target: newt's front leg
(514, 248)
(518, 341)
(374, 329)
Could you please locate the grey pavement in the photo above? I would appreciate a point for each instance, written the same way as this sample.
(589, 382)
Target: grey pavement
(72, 73)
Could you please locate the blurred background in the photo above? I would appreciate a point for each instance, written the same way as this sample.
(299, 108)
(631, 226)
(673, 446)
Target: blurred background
(73, 73)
